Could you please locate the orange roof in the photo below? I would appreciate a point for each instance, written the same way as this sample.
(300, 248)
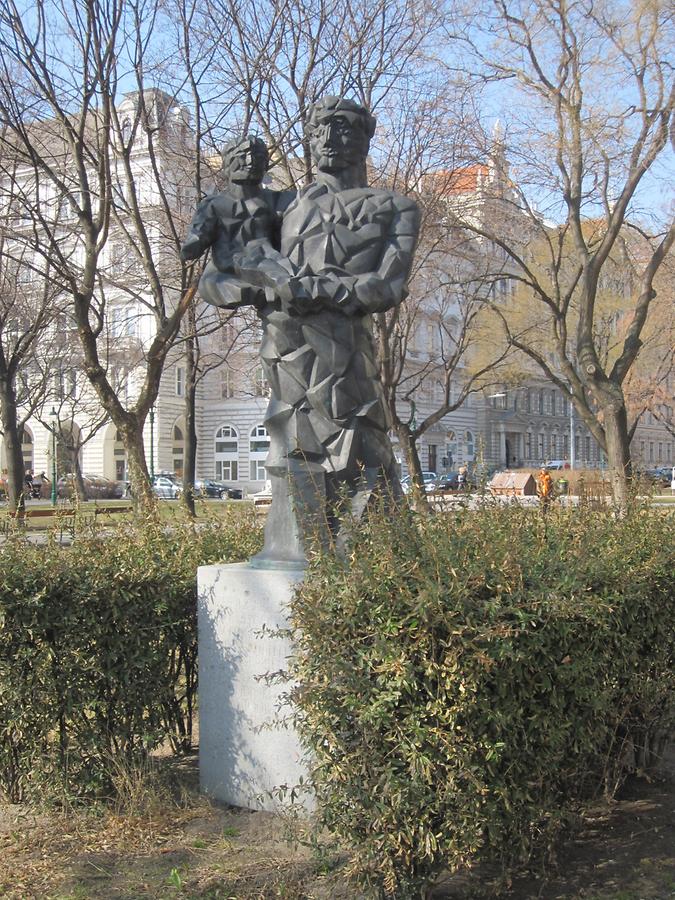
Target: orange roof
(456, 181)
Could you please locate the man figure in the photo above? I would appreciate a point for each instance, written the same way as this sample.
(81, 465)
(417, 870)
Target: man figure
(346, 252)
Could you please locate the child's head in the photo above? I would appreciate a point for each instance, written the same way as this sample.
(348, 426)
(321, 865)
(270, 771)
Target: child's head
(245, 160)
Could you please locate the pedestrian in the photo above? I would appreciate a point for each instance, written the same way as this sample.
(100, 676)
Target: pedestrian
(28, 481)
(544, 488)
(461, 478)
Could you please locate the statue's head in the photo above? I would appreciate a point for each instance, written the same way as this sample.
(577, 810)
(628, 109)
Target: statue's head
(245, 160)
(339, 133)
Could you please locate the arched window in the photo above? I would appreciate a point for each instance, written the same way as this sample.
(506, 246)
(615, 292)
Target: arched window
(120, 456)
(258, 449)
(26, 448)
(470, 446)
(178, 450)
(227, 454)
(126, 130)
(554, 446)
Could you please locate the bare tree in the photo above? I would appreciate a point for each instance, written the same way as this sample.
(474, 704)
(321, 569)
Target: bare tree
(111, 159)
(589, 91)
(27, 312)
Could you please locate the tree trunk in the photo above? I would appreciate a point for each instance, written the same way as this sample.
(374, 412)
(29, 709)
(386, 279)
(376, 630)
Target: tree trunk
(190, 459)
(12, 440)
(141, 491)
(80, 489)
(409, 447)
(618, 451)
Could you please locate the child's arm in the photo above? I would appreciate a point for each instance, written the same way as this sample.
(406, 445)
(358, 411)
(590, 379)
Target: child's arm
(202, 231)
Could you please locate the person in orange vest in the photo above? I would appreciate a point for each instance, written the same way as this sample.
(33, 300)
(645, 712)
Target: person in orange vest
(544, 487)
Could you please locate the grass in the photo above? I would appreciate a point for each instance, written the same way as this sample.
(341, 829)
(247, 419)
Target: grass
(161, 839)
(169, 510)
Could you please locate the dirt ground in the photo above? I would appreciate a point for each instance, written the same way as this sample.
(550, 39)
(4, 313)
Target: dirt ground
(178, 845)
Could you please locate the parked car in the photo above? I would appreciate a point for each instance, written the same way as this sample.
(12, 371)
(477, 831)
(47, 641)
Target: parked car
(450, 482)
(96, 487)
(557, 464)
(661, 475)
(232, 493)
(166, 487)
(429, 481)
(208, 488)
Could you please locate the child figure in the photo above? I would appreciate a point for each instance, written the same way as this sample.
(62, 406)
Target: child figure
(241, 223)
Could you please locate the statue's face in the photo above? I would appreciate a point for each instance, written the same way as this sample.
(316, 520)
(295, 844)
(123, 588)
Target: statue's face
(338, 141)
(248, 164)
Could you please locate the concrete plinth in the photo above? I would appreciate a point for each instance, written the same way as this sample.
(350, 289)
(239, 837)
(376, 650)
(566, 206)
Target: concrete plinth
(243, 754)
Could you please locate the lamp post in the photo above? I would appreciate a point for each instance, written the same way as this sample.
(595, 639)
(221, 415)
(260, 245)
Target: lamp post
(572, 448)
(54, 417)
(152, 441)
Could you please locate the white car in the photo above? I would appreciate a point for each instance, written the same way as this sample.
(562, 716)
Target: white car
(429, 479)
(166, 487)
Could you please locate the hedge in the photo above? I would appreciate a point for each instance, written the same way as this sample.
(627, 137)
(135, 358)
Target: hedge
(98, 649)
(466, 682)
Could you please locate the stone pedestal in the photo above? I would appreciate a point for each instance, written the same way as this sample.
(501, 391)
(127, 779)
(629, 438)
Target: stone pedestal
(245, 750)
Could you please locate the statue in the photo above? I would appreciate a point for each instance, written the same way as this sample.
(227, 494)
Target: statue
(243, 216)
(343, 252)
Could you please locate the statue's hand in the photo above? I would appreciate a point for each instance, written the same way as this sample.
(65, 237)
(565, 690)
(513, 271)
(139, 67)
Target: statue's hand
(296, 296)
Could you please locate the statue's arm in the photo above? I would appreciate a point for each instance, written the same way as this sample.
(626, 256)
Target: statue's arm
(370, 292)
(387, 286)
(202, 231)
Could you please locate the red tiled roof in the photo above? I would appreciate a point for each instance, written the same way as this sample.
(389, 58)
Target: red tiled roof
(456, 181)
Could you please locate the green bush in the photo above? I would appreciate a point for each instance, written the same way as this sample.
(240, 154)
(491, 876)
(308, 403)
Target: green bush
(98, 649)
(465, 682)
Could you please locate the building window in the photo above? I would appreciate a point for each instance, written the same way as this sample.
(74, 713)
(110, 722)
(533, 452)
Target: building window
(260, 386)
(587, 442)
(226, 384)
(541, 402)
(180, 381)
(178, 450)
(451, 449)
(124, 321)
(553, 400)
(227, 454)
(651, 451)
(26, 439)
(527, 400)
(528, 445)
(259, 447)
(470, 445)
(540, 446)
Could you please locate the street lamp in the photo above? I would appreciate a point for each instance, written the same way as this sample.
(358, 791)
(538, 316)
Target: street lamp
(572, 447)
(152, 441)
(54, 418)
